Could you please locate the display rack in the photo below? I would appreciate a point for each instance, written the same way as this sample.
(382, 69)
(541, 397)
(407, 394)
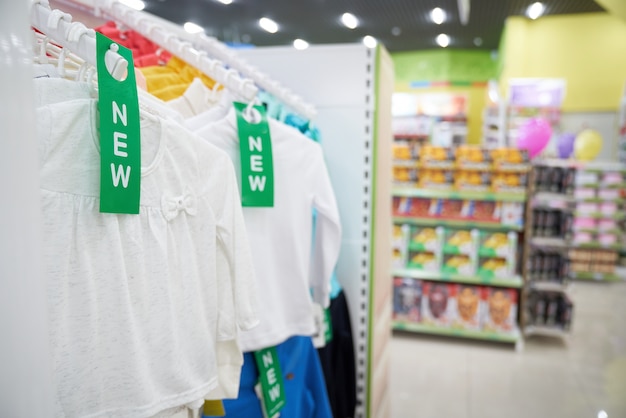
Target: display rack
(575, 231)
(458, 213)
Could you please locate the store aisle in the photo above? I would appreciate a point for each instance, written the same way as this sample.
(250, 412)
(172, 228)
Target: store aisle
(577, 378)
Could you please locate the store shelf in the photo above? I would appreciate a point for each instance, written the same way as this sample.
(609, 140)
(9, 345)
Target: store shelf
(549, 242)
(600, 277)
(599, 215)
(545, 331)
(601, 186)
(562, 243)
(512, 282)
(459, 194)
(512, 337)
(455, 223)
(545, 286)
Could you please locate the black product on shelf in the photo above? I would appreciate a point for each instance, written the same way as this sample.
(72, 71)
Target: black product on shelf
(548, 266)
(550, 309)
(556, 179)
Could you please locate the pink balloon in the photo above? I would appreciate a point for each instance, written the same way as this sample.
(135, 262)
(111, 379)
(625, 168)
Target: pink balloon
(534, 135)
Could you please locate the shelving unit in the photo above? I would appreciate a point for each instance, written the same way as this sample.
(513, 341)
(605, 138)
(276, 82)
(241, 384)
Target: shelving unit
(455, 244)
(575, 231)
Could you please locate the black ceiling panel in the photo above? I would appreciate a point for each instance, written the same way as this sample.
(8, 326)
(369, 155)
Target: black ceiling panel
(317, 21)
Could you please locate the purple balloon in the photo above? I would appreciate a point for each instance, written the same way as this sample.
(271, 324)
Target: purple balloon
(565, 144)
(534, 135)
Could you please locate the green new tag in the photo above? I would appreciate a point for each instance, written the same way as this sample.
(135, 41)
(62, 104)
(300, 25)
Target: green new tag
(328, 326)
(120, 150)
(257, 167)
(271, 379)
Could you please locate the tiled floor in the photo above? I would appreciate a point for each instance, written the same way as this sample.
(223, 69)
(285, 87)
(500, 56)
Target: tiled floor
(574, 378)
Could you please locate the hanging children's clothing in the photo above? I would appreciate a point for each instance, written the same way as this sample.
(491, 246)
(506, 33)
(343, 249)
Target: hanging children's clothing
(305, 389)
(135, 317)
(286, 267)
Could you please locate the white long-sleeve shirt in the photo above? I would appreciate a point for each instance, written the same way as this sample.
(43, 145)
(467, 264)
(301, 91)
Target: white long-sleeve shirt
(135, 301)
(286, 266)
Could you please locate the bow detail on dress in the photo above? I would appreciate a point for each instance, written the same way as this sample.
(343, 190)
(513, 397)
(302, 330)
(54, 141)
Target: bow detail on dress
(172, 206)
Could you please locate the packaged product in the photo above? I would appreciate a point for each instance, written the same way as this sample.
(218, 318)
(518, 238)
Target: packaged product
(434, 156)
(426, 239)
(469, 307)
(452, 209)
(402, 150)
(473, 157)
(424, 261)
(479, 180)
(460, 241)
(498, 244)
(500, 313)
(458, 264)
(510, 159)
(416, 207)
(511, 182)
(407, 299)
(512, 213)
(490, 267)
(438, 303)
(405, 176)
(435, 178)
(399, 244)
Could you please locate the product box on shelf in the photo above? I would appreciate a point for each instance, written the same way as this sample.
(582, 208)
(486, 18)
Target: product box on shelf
(435, 178)
(407, 299)
(473, 157)
(482, 210)
(405, 176)
(432, 156)
(476, 180)
(416, 207)
(500, 313)
(498, 244)
(510, 182)
(490, 267)
(555, 179)
(459, 264)
(452, 209)
(460, 241)
(550, 309)
(399, 245)
(426, 239)
(510, 159)
(403, 150)
(548, 266)
(470, 305)
(439, 303)
(425, 261)
(512, 214)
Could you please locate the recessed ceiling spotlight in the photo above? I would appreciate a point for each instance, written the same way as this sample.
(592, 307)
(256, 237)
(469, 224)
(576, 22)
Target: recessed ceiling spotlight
(225, 1)
(443, 40)
(135, 4)
(478, 41)
(438, 15)
(535, 10)
(396, 31)
(192, 27)
(349, 20)
(370, 41)
(268, 25)
(300, 44)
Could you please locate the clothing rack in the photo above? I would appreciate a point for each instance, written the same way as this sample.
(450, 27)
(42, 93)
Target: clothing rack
(222, 52)
(144, 24)
(74, 36)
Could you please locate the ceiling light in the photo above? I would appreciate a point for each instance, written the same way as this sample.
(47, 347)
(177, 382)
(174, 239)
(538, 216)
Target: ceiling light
(225, 1)
(478, 41)
(370, 41)
(396, 31)
(438, 15)
(268, 25)
(192, 27)
(535, 10)
(443, 40)
(135, 4)
(349, 20)
(300, 44)
(602, 414)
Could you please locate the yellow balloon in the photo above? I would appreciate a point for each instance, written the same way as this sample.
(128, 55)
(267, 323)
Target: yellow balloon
(588, 145)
